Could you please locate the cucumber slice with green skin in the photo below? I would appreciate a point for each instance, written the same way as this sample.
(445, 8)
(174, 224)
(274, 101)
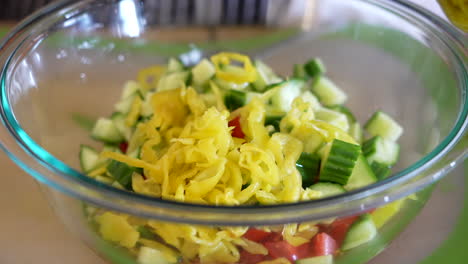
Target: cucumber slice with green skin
(146, 107)
(327, 92)
(265, 76)
(345, 110)
(105, 130)
(272, 119)
(122, 173)
(333, 118)
(314, 68)
(149, 255)
(202, 72)
(381, 124)
(175, 65)
(89, 158)
(328, 259)
(286, 93)
(380, 150)
(130, 88)
(339, 162)
(119, 122)
(135, 154)
(299, 71)
(173, 81)
(234, 99)
(380, 170)
(310, 98)
(124, 105)
(362, 175)
(328, 189)
(361, 231)
(308, 166)
(355, 131)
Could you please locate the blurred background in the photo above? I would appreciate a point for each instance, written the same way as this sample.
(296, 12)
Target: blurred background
(228, 12)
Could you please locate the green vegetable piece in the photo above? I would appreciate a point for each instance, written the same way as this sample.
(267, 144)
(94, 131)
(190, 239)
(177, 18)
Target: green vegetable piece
(380, 170)
(339, 162)
(308, 166)
(314, 68)
(122, 173)
(235, 99)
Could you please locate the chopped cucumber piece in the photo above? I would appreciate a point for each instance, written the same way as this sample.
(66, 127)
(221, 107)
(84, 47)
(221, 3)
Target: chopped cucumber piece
(121, 172)
(355, 131)
(149, 255)
(135, 154)
(328, 189)
(274, 119)
(265, 76)
(299, 71)
(327, 259)
(362, 175)
(124, 105)
(314, 68)
(130, 88)
(119, 122)
(234, 99)
(286, 93)
(202, 72)
(173, 81)
(308, 166)
(345, 110)
(333, 118)
(381, 124)
(175, 65)
(328, 93)
(89, 158)
(105, 130)
(381, 150)
(339, 162)
(360, 232)
(146, 106)
(310, 98)
(380, 170)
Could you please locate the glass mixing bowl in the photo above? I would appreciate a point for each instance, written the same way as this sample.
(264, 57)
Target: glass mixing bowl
(68, 61)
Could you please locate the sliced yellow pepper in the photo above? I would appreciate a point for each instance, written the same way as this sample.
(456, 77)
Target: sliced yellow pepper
(240, 75)
(149, 77)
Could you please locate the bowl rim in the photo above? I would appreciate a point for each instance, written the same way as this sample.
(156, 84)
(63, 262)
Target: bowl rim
(49, 170)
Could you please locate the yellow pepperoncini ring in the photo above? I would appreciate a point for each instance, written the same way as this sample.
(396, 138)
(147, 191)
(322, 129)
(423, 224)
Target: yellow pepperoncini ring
(149, 77)
(242, 75)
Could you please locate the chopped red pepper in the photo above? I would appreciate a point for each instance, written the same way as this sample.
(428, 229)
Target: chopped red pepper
(323, 244)
(282, 249)
(237, 130)
(123, 146)
(249, 258)
(256, 235)
(338, 229)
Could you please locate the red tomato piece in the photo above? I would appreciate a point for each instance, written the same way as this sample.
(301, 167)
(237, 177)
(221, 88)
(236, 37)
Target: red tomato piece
(338, 229)
(275, 237)
(256, 235)
(123, 146)
(282, 249)
(304, 251)
(323, 244)
(237, 130)
(248, 258)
